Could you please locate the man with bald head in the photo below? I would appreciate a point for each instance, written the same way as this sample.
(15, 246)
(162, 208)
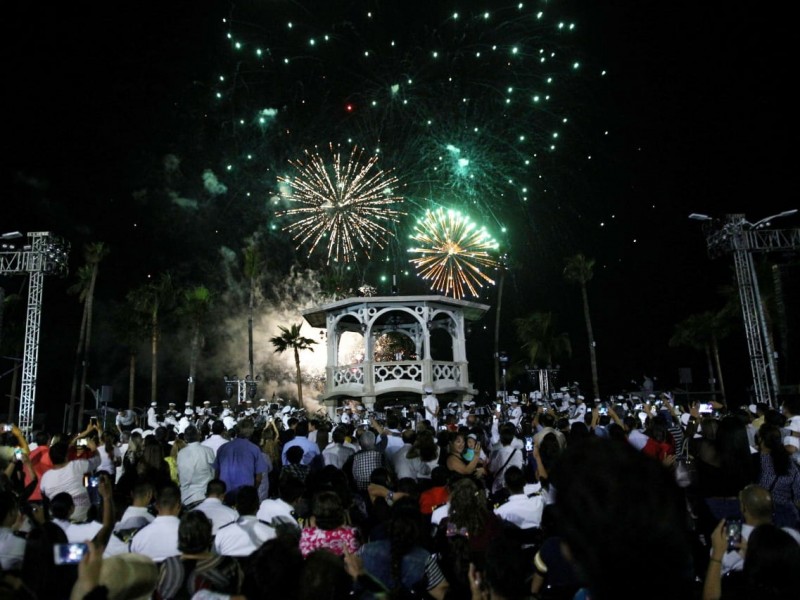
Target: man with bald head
(755, 503)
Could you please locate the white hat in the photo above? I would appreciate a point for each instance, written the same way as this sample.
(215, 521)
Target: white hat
(651, 395)
(286, 409)
(154, 404)
(427, 389)
(685, 419)
(753, 409)
(581, 397)
(171, 404)
(189, 411)
(207, 403)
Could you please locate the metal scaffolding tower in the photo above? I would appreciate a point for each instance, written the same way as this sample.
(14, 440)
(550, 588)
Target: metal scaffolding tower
(738, 236)
(44, 255)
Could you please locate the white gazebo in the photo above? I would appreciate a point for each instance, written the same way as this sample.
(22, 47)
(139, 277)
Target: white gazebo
(422, 319)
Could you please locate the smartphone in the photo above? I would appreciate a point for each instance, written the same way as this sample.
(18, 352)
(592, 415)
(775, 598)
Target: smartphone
(499, 407)
(705, 408)
(93, 482)
(733, 532)
(69, 554)
(529, 443)
(17, 453)
(8, 427)
(82, 442)
(603, 410)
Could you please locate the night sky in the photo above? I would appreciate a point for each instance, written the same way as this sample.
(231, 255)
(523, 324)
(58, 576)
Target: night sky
(691, 115)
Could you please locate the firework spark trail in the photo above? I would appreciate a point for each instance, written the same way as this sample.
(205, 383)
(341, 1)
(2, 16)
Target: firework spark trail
(348, 202)
(453, 252)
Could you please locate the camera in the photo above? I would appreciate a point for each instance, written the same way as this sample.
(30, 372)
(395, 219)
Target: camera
(8, 427)
(529, 444)
(69, 554)
(705, 408)
(733, 532)
(82, 442)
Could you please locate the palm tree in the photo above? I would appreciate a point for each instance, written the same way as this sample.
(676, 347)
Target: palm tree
(253, 265)
(150, 299)
(537, 334)
(579, 270)
(195, 308)
(131, 327)
(702, 332)
(291, 338)
(87, 279)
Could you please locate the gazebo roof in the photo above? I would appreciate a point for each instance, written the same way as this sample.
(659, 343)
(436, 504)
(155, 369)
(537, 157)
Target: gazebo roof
(472, 311)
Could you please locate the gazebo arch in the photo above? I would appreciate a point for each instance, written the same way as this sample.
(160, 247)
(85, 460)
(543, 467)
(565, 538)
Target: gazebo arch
(417, 317)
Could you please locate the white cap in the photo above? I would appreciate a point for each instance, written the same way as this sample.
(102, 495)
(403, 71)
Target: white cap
(286, 409)
(581, 397)
(427, 389)
(154, 404)
(207, 403)
(189, 411)
(753, 408)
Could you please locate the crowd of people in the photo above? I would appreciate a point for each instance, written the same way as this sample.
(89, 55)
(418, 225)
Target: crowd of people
(523, 498)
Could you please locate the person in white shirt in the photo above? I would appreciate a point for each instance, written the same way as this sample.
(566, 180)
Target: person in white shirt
(756, 507)
(519, 509)
(137, 515)
(276, 511)
(504, 455)
(212, 507)
(337, 453)
(245, 535)
(195, 467)
(431, 405)
(110, 455)
(152, 417)
(159, 540)
(216, 439)
(12, 547)
(67, 475)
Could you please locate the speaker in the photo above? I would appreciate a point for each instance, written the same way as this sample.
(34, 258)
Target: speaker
(105, 394)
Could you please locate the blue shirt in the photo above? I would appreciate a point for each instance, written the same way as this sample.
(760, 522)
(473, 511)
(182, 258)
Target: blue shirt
(238, 462)
(310, 449)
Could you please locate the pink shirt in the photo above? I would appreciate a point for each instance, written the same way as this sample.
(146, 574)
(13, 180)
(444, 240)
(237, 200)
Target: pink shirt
(334, 540)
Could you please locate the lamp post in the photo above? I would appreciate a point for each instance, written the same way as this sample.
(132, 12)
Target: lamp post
(742, 238)
(502, 358)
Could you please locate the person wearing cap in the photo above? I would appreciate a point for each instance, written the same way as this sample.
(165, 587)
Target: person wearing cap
(431, 405)
(152, 416)
(515, 414)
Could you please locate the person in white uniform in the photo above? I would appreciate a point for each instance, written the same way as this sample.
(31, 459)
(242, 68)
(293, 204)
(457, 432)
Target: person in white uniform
(431, 405)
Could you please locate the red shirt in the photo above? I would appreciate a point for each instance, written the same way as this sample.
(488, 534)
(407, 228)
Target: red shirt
(431, 499)
(40, 460)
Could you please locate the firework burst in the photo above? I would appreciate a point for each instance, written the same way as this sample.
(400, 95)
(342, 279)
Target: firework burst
(348, 202)
(453, 251)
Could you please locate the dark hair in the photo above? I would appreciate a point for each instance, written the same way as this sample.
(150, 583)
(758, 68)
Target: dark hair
(467, 506)
(614, 506)
(216, 487)
(338, 435)
(734, 452)
(290, 488)
(302, 428)
(324, 578)
(191, 434)
(42, 438)
(247, 500)
(403, 530)
(277, 566)
(507, 431)
(58, 453)
(246, 428)
(169, 497)
(294, 455)
(771, 565)
(514, 479)
(439, 476)
(507, 567)
(217, 427)
(194, 533)
(328, 511)
(61, 506)
(770, 436)
(8, 504)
